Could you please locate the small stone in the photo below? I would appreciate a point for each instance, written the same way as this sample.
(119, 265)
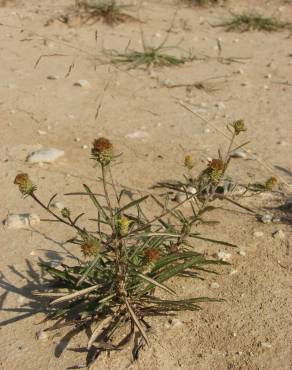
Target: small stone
(165, 83)
(268, 76)
(220, 105)
(137, 135)
(276, 219)
(266, 87)
(235, 40)
(40, 132)
(266, 219)
(45, 155)
(82, 83)
(58, 205)
(180, 197)
(239, 71)
(53, 77)
(42, 335)
(233, 272)
(215, 286)
(206, 131)
(238, 153)
(279, 234)
(266, 345)
(84, 146)
(157, 34)
(191, 189)
(77, 139)
(224, 256)
(258, 234)
(21, 220)
(242, 253)
(176, 323)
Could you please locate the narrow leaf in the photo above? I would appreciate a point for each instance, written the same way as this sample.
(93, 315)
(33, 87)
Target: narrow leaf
(79, 293)
(154, 282)
(136, 321)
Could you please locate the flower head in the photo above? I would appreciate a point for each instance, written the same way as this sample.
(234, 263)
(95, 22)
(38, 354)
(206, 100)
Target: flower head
(216, 169)
(91, 247)
(271, 183)
(152, 255)
(238, 126)
(65, 212)
(102, 150)
(24, 183)
(123, 224)
(188, 162)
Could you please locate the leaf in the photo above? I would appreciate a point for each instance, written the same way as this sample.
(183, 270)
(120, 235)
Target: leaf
(98, 330)
(196, 236)
(131, 204)
(154, 282)
(88, 270)
(136, 321)
(77, 218)
(77, 294)
(96, 203)
(52, 198)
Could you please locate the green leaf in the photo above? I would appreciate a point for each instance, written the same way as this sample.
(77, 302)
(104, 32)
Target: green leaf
(96, 203)
(131, 204)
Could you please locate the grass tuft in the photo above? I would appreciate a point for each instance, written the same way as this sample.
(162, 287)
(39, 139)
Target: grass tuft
(250, 21)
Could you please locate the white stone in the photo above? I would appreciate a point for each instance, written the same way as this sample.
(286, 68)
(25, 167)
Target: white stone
(77, 139)
(238, 153)
(21, 220)
(266, 345)
(42, 335)
(279, 234)
(215, 286)
(268, 76)
(258, 234)
(137, 135)
(84, 146)
(180, 197)
(242, 253)
(220, 105)
(191, 189)
(45, 155)
(266, 219)
(82, 83)
(176, 323)
(40, 132)
(224, 256)
(58, 205)
(233, 272)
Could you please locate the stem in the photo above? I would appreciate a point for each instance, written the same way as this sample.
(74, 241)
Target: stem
(34, 197)
(107, 196)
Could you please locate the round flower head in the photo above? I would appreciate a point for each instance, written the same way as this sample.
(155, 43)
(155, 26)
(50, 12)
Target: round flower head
(215, 169)
(238, 126)
(91, 247)
(123, 224)
(271, 183)
(24, 183)
(188, 162)
(102, 150)
(152, 255)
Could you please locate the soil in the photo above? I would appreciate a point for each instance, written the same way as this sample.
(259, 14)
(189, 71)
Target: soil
(142, 115)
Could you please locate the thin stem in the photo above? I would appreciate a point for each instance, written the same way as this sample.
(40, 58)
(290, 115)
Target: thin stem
(54, 214)
(103, 170)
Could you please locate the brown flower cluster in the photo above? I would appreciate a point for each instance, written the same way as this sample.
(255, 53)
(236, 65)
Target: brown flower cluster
(91, 247)
(271, 183)
(102, 150)
(152, 255)
(238, 126)
(24, 183)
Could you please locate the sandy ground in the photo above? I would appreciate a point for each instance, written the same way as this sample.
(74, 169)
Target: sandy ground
(252, 328)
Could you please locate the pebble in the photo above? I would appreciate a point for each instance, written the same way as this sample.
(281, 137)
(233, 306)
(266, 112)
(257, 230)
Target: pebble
(53, 77)
(191, 189)
(242, 253)
(268, 76)
(239, 71)
(40, 132)
(279, 234)
(45, 155)
(266, 345)
(215, 286)
(258, 234)
(238, 153)
(173, 324)
(220, 105)
(180, 197)
(84, 146)
(224, 256)
(165, 83)
(42, 335)
(77, 139)
(58, 205)
(82, 83)
(21, 220)
(266, 219)
(137, 135)
(233, 272)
